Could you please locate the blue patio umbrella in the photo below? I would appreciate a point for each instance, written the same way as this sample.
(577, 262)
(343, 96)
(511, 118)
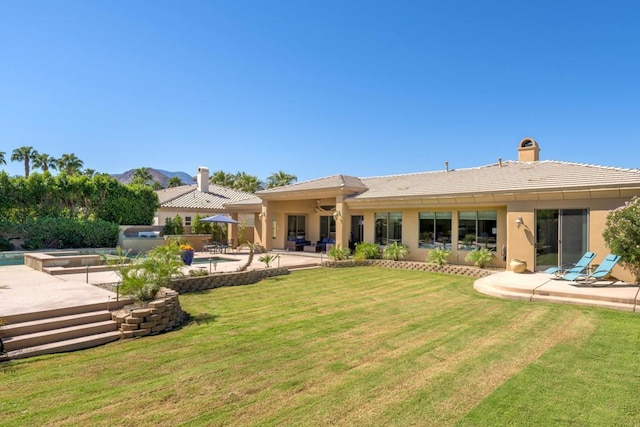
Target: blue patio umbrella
(220, 218)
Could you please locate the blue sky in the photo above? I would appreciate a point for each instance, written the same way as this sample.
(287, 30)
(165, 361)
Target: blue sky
(316, 88)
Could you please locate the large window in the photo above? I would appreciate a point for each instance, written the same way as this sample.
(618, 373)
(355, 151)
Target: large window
(296, 227)
(388, 227)
(327, 227)
(435, 230)
(477, 230)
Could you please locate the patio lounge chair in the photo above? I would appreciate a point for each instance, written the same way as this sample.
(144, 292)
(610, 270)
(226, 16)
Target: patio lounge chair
(578, 267)
(600, 274)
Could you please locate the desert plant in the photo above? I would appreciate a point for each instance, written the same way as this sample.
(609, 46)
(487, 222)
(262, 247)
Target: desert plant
(198, 272)
(438, 256)
(622, 235)
(143, 278)
(268, 259)
(246, 265)
(366, 251)
(395, 251)
(480, 257)
(338, 253)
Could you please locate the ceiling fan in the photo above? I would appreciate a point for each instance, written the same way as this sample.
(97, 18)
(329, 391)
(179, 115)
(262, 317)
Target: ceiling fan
(320, 209)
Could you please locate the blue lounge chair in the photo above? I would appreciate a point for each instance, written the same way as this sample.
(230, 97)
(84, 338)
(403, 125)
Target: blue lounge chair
(578, 267)
(600, 274)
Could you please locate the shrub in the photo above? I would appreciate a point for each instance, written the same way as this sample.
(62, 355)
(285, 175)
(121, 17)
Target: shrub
(395, 251)
(5, 245)
(480, 257)
(62, 233)
(198, 273)
(143, 278)
(622, 235)
(338, 253)
(173, 226)
(438, 256)
(268, 259)
(366, 251)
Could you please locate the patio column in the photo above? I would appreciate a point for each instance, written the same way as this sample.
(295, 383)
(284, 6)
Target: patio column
(341, 216)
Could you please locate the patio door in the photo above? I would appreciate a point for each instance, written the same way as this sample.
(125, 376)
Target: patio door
(561, 236)
(357, 231)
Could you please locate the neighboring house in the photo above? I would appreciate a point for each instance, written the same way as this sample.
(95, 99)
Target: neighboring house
(541, 211)
(202, 199)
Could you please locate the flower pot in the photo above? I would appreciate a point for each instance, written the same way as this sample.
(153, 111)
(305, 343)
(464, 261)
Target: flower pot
(518, 265)
(187, 256)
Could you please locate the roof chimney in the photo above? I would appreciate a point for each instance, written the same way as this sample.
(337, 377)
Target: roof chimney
(446, 165)
(203, 179)
(528, 150)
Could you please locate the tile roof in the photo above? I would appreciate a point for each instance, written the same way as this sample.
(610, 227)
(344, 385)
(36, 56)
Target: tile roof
(511, 177)
(189, 197)
(330, 182)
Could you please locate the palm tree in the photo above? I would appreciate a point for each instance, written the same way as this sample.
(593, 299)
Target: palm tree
(156, 186)
(44, 161)
(247, 183)
(141, 176)
(280, 179)
(69, 164)
(89, 172)
(174, 181)
(223, 178)
(23, 154)
(2, 161)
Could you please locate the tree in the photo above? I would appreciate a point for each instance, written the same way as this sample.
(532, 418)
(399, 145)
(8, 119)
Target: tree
(280, 179)
(141, 176)
(23, 154)
(223, 178)
(174, 181)
(156, 186)
(2, 161)
(622, 235)
(44, 161)
(247, 183)
(70, 164)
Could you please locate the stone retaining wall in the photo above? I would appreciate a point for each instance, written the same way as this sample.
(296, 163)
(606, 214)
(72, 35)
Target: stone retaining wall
(218, 280)
(462, 270)
(160, 315)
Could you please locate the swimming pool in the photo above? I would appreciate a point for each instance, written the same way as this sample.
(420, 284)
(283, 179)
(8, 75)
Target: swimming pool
(17, 257)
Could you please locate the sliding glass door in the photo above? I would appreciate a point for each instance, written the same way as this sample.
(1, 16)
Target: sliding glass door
(561, 236)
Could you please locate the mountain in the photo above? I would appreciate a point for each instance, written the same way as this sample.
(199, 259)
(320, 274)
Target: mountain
(159, 175)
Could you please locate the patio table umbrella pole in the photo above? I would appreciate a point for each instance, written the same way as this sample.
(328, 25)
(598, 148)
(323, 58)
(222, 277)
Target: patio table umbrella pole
(220, 219)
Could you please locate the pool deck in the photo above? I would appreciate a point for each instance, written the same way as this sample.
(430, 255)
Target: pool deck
(27, 290)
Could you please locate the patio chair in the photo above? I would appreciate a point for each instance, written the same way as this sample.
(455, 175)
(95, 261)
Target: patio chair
(578, 267)
(599, 275)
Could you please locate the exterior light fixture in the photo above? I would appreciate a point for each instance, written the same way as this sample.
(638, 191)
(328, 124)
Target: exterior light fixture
(519, 221)
(261, 215)
(336, 214)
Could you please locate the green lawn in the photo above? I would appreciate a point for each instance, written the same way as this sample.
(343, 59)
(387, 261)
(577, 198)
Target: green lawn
(360, 346)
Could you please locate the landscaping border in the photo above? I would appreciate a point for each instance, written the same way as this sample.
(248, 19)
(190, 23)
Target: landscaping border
(461, 270)
(218, 280)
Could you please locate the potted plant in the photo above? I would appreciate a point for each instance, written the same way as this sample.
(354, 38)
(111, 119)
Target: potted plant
(186, 253)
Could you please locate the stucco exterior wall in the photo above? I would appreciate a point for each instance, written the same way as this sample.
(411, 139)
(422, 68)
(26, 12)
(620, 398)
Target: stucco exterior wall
(521, 240)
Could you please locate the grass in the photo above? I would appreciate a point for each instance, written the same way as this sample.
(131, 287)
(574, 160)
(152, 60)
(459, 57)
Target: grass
(356, 347)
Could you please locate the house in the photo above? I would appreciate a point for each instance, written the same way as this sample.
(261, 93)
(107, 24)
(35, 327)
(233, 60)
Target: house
(544, 212)
(203, 199)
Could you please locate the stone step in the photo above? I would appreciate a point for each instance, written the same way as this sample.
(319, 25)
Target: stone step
(72, 344)
(62, 334)
(47, 324)
(65, 311)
